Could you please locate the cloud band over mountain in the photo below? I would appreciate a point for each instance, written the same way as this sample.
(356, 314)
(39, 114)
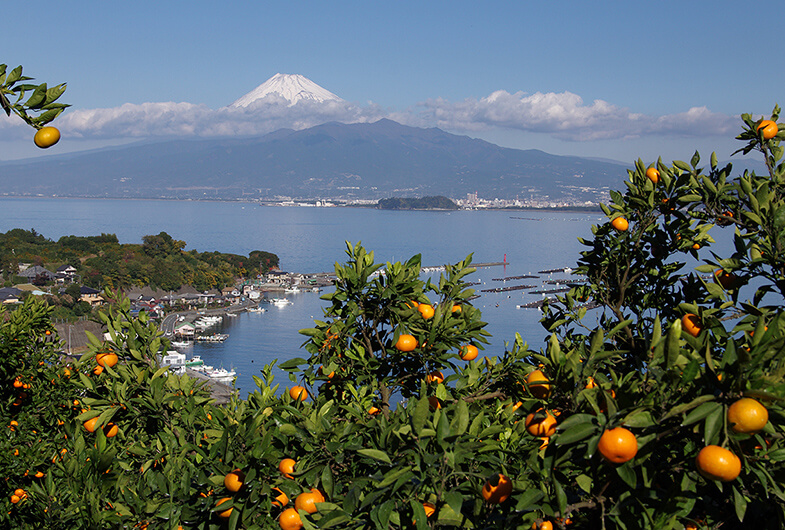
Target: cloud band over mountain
(561, 115)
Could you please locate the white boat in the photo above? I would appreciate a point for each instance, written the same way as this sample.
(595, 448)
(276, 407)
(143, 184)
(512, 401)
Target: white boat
(257, 310)
(279, 301)
(292, 290)
(181, 344)
(220, 375)
(215, 337)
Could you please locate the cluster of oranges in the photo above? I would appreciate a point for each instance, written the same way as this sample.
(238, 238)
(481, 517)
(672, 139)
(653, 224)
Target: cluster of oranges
(233, 482)
(746, 416)
(289, 519)
(21, 390)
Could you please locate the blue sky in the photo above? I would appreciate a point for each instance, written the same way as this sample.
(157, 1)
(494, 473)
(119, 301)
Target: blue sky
(608, 79)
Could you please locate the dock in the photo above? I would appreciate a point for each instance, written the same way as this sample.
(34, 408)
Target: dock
(221, 393)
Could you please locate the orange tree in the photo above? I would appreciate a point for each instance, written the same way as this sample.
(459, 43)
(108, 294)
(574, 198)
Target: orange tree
(655, 402)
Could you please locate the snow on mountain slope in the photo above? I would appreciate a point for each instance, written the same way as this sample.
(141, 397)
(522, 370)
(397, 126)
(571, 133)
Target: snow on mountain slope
(293, 88)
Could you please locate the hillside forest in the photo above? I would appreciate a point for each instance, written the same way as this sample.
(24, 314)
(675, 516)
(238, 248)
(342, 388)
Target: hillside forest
(160, 261)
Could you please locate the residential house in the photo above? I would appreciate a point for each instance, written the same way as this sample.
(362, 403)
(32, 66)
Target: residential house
(10, 295)
(91, 296)
(66, 274)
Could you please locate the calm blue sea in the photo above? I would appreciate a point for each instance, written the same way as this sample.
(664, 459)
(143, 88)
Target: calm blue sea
(312, 240)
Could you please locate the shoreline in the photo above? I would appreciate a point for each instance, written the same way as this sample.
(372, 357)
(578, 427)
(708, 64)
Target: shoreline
(302, 204)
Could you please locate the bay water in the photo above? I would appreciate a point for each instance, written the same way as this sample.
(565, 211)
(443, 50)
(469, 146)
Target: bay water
(310, 239)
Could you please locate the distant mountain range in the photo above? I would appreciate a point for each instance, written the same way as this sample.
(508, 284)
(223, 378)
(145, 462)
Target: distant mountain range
(331, 161)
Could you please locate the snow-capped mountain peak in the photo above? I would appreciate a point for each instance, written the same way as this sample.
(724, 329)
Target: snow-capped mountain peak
(292, 87)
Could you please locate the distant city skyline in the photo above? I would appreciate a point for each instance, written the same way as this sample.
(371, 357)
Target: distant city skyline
(611, 80)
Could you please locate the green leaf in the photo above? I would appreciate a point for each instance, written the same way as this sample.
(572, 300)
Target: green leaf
(701, 412)
(672, 346)
(627, 474)
(421, 411)
(376, 454)
(639, 419)
(712, 425)
(684, 407)
(584, 482)
(740, 503)
(292, 363)
(575, 433)
(461, 420)
(38, 98)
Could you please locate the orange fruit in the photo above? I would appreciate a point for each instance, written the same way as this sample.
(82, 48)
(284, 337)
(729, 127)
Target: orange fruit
(469, 352)
(434, 402)
(373, 411)
(18, 383)
(426, 310)
(456, 308)
(290, 520)
(541, 427)
(20, 493)
(620, 223)
(286, 466)
(319, 496)
(110, 430)
(435, 377)
(429, 508)
(107, 359)
(497, 489)
(717, 463)
(618, 445)
(226, 513)
(747, 415)
(234, 480)
(726, 279)
(307, 502)
(98, 370)
(591, 383)
(538, 390)
(769, 127)
(691, 324)
(46, 137)
(545, 525)
(281, 499)
(91, 424)
(15, 499)
(653, 175)
(406, 342)
(298, 392)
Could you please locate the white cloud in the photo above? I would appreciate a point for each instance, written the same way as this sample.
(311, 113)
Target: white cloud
(566, 117)
(560, 115)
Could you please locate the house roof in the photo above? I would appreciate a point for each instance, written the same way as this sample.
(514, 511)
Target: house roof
(9, 292)
(35, 270)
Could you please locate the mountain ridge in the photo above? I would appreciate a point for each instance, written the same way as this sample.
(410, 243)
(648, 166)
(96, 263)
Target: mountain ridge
(332, 160)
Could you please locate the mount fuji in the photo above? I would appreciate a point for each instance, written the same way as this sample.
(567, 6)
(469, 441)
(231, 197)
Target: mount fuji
(291, 87)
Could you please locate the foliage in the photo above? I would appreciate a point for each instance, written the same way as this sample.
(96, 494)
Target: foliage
(160, 261)
(41, 106)
(410, 437)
